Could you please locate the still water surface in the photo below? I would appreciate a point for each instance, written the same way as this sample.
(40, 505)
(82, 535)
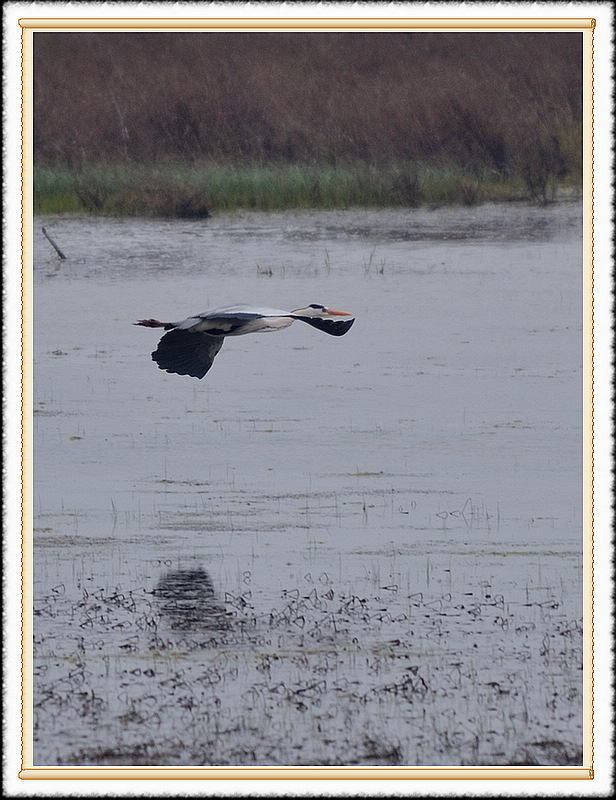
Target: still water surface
(355, 550)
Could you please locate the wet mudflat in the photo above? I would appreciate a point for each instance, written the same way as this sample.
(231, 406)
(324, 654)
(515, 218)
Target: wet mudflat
(353, 551)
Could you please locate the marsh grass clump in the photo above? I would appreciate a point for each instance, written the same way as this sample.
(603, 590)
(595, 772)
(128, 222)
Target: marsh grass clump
(550, 752)
(130, 190)
(379, 752)
(183, 124)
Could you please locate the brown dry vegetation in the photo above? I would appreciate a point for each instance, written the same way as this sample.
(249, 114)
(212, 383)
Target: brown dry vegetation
(506, 102)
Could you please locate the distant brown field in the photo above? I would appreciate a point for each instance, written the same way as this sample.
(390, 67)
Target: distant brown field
(509, 102)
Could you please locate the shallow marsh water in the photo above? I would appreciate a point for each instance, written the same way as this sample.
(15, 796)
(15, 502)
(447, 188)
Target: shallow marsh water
(365, 550)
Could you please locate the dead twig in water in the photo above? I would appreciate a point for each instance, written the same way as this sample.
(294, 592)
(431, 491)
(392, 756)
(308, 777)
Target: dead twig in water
(54, 245)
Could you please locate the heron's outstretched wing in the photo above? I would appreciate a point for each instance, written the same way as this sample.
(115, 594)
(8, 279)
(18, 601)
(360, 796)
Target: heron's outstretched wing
(187, 352)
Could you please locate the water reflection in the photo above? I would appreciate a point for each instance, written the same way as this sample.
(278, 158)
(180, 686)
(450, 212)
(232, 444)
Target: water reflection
(186, 597)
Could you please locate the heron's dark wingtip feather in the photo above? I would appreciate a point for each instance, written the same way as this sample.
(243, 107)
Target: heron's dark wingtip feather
(335, 327)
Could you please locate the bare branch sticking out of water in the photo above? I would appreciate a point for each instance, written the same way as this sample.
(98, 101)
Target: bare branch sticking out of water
(53, 244)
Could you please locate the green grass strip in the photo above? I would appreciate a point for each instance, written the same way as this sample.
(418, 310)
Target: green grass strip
(194, 190)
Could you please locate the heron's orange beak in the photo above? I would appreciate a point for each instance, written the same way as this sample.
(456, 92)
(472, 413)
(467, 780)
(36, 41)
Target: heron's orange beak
(338, 313)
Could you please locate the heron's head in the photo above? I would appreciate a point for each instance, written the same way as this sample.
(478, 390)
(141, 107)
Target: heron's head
(325, 319)
(317, 311)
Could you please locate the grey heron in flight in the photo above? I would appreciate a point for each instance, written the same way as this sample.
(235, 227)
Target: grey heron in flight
(190, 346)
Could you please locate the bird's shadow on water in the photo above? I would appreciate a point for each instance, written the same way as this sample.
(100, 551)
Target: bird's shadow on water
(186, 599)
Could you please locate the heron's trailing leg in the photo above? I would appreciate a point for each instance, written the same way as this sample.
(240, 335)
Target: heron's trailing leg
(154, 323)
